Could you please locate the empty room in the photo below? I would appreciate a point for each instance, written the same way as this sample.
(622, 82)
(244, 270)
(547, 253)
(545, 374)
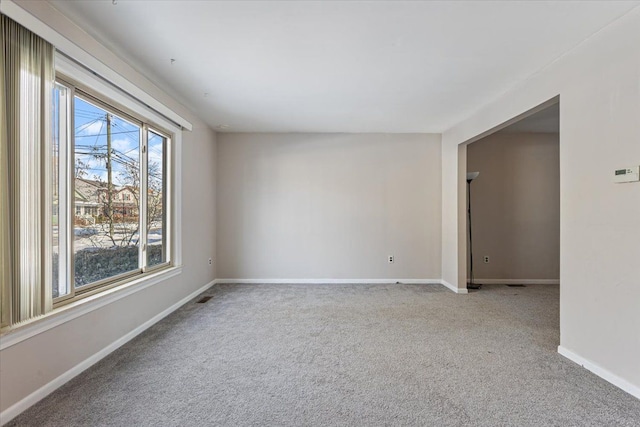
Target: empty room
(320, 213)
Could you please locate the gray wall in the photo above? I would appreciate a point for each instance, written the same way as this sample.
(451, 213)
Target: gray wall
(312, 206)
(516, 206)
(597, 83)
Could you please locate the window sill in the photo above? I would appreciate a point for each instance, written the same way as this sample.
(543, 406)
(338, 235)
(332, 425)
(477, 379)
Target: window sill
(18, 333)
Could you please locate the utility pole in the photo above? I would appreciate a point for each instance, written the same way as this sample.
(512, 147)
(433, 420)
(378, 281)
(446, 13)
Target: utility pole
(109, 178)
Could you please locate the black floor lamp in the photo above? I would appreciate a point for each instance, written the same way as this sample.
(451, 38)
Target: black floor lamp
(470, 177)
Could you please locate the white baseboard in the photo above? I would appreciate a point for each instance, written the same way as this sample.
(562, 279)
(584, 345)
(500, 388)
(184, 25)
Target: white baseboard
(19, 407)
(517, 281)
(328, 281)
(345, 281)
(601, 372)
(455, 289)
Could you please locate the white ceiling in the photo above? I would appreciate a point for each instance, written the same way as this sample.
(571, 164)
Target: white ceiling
(327, 66)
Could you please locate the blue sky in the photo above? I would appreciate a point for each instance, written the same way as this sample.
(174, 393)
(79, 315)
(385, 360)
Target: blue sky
(91, 143)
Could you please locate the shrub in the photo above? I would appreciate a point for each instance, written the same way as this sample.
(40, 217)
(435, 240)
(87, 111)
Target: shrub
(93, 264)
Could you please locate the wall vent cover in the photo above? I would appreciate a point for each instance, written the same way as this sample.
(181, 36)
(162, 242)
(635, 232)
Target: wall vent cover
(203, 300)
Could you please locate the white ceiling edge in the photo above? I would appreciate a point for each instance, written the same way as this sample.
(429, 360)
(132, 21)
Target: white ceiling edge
(30, 19)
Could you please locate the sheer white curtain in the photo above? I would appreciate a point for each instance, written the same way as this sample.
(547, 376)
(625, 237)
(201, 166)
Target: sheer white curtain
(25, 166)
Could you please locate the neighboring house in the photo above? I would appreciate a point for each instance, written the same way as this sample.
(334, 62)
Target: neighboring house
(91, 200)
(86, 198)
(125, 201)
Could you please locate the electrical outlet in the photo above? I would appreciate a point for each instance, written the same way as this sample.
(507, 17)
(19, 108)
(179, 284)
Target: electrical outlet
(210, 261)
(390, 259)
(486, 259)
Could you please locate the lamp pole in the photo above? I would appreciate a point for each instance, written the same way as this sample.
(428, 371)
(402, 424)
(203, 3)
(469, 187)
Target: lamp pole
(470, 177)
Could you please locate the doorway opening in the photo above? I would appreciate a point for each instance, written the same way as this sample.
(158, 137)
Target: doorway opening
(513, 205)
(515, 208)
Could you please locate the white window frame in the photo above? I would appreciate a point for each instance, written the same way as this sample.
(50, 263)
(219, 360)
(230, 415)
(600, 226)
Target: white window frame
(88, 86)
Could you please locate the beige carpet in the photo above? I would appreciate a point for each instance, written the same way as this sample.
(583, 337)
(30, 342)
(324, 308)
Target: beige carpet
(345, 355)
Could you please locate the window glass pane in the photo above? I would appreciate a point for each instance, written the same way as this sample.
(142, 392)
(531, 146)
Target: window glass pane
(106, 194)
(156, 218)
(60, 240)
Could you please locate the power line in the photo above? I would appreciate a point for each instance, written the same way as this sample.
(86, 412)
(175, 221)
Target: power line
(104, 134)
(86, 125)
(98, 136)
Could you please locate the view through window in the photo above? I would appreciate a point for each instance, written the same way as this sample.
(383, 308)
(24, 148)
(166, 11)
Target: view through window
(156, 218)
(110, 202)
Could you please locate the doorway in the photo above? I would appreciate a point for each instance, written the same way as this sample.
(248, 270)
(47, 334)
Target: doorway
(515, 208)
(515, 212)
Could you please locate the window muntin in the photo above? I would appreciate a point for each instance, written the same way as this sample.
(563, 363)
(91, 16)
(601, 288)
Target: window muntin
(116, 186)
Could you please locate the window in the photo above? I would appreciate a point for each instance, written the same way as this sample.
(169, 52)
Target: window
(110, 169)
(89, 162)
